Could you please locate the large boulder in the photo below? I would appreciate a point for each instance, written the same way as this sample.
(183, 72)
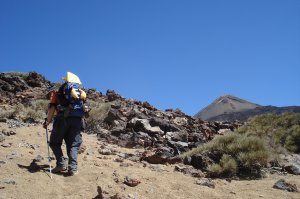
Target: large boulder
(144, 126)
(177, 136)
(200, 161)
(179, 147)
(163, 124)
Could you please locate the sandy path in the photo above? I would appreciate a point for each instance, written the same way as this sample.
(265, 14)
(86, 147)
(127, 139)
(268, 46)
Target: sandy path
(160, 181)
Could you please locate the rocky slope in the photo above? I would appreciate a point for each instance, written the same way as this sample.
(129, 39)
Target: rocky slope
(22, 87)
(230, 108)
(128, 123)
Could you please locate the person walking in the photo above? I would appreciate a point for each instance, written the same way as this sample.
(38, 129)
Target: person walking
(68, 103)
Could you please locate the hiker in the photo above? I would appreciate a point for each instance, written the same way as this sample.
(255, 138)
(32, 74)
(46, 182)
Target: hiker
(68, 103)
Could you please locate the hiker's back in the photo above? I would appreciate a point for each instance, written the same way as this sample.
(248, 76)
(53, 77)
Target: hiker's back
(71, 100)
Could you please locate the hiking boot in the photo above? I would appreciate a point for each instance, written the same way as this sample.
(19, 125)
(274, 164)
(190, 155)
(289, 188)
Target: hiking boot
(72, 172)
(58, 169)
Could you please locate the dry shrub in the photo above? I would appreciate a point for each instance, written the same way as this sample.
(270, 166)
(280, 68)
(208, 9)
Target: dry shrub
(96, 116)
(35, 111)
(278, 130)
(226, 168)
(4, 113)
(292, 141)
(235, 153)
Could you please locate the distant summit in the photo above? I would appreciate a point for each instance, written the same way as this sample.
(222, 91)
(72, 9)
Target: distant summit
(231, 108)
(225, 105)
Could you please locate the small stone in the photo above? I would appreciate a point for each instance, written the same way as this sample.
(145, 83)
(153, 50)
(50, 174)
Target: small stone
(3, 120)
(2, 137)
(117, 180)
(5, 132)
(13, 155)
(119, 160)
(33, 146)
(97, 164)
(90, 152)
(105, 152)
(100, 194)
(116, 196)
(6, 145)
(82, 149)
(9, 181)
(131, 181)
(131, 196)
(12, 133)
(206, 182)
(38, 158)
(125, 164)
(123, 188)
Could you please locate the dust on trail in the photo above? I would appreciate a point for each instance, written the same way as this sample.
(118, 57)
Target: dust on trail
(157, 181)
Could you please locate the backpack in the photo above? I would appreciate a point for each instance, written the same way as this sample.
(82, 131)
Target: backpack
(71, 100)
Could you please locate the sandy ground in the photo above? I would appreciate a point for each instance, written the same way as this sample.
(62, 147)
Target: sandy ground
(157, 181)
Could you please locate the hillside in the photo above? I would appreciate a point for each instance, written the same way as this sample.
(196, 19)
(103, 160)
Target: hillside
(245, 115)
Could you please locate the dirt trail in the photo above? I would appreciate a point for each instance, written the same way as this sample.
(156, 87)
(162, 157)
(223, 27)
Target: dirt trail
(157, 181)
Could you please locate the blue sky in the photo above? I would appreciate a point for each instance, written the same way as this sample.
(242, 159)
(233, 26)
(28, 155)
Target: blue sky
(170, 53)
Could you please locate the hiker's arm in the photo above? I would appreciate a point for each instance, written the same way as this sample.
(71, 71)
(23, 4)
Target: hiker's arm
(50, 115)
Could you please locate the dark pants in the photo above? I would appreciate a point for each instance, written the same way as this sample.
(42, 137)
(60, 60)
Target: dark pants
(67, 129)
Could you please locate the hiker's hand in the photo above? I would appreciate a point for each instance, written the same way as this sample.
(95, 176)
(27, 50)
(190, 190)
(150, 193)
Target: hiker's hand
(45, 124)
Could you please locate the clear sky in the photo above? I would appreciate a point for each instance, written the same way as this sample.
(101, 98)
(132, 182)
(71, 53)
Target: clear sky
(170, 53)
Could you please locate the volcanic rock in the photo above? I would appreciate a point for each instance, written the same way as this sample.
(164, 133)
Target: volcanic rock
(200, 161)
(293, 169)
(188, 170)
(132, 180)
(283, 185)
(144, 126)
(160, 155)
(206, 182)
(112, 95)
(2, 137)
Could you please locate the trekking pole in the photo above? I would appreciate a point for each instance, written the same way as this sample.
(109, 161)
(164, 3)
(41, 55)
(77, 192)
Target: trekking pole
(49, 158)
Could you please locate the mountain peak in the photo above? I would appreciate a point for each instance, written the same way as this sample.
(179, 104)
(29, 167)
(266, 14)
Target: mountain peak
(225, 104)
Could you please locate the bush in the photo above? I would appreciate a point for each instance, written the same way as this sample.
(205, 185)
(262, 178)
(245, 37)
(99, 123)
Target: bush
(226, 168)
(96, 116)
(251, 147)
(235, 153)
(4, 113)
(292, 141)
(35, 111)
(278, 130)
